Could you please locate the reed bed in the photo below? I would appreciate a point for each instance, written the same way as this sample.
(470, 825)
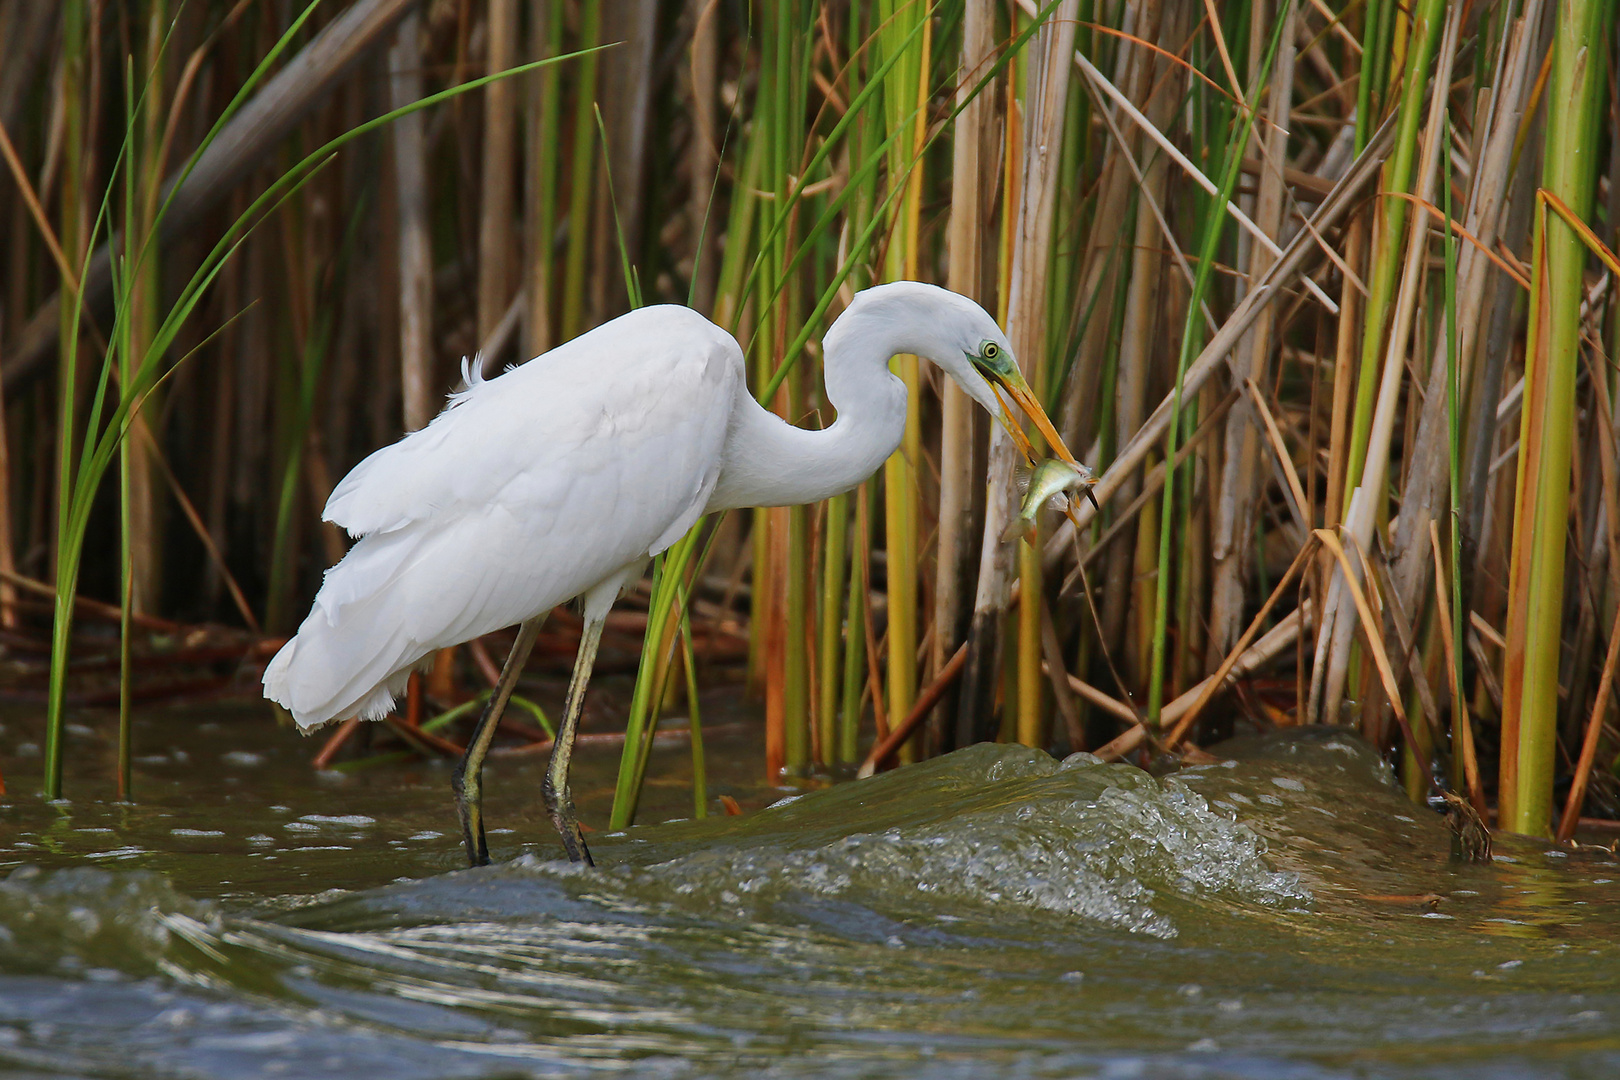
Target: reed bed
(1324, 290)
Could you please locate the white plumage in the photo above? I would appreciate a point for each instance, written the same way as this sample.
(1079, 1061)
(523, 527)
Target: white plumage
(561, 477)
(525, 492)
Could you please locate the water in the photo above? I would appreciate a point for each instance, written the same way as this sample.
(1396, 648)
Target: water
(994, 913)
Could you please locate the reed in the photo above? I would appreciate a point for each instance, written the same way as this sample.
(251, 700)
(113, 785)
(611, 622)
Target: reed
(904, 91)
(1355, 327)
(1215, 217)
(970, 147)
(123, 382)
(1535, 618)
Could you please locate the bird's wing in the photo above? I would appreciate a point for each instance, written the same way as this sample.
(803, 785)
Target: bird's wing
(536, 486)
(632, 412)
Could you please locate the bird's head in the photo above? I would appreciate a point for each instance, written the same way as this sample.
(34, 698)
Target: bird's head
(963, 340)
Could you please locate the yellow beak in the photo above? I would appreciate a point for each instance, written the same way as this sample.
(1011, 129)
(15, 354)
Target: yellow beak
(1017, 389)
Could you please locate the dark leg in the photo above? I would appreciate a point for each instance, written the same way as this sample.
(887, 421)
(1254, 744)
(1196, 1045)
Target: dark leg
(468, 779)
(559, 797)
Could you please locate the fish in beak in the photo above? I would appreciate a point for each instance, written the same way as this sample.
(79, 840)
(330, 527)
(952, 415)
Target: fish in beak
(1011, 384)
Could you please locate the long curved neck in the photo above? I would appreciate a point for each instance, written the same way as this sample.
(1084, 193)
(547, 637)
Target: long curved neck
(769, 462)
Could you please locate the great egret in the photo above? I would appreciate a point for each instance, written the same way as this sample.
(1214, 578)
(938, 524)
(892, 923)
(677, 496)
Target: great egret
(561, 477)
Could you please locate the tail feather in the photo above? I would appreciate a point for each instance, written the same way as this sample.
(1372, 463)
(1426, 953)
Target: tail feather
(318, 685)
(351, 656)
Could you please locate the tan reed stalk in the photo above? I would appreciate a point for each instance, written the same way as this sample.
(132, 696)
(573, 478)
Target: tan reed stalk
(496, 199)
(982, 672)
(1138, 331)
(417, 392)
(965, 275)
(1046, 98)
(1232, 549)
(1369, 460)
(703, 155)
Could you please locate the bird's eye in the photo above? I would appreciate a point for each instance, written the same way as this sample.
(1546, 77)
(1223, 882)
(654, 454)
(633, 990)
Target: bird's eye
(991, 350)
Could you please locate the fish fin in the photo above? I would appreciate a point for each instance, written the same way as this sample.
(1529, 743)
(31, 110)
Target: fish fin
(1018, 528)
(1023, 472)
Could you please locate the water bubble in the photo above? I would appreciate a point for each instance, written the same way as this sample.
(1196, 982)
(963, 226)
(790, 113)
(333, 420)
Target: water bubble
(175, 1018)
(84, 921)
(351, 820)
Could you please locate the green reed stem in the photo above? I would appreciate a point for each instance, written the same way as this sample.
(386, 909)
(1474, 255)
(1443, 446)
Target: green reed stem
(694, 723)
(1548, 428)
(579, 189)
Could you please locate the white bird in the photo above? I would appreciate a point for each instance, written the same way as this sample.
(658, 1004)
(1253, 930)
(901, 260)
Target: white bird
(561, 477)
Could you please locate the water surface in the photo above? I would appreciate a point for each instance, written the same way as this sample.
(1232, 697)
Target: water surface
(993, 913)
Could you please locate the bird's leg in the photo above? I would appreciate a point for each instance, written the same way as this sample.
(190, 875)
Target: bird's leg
(468, 779)
(559, 797)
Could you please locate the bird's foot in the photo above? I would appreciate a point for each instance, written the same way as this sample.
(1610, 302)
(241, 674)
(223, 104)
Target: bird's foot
(470, 809)
(573, 839)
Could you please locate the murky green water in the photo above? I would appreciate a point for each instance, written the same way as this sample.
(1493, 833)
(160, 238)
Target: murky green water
(994, 913)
